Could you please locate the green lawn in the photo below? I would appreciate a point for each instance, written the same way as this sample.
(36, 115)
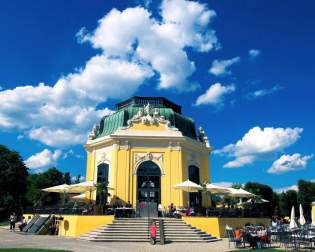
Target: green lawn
(5, 223)
(31, 250)
(264, 250)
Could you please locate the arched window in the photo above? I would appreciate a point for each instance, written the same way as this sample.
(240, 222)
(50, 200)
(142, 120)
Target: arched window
(194, 176)
(102, 178)
(148, 168)
(102, 173)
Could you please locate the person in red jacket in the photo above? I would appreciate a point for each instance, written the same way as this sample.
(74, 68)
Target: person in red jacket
(153, 230)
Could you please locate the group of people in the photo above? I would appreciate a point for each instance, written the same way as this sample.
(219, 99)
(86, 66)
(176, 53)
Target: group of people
(13, 220)
(175, 213)
(256, 238)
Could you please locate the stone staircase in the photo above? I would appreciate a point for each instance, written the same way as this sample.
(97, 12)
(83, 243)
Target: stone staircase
(137, 230)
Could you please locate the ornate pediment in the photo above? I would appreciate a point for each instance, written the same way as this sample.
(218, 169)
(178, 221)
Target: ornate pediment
(149, 156)
(148, 116)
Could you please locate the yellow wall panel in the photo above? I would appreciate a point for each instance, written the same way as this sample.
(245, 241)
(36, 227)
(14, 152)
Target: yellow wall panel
(76, 225)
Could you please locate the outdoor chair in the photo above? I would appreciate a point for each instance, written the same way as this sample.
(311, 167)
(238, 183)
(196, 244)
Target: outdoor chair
(238, 243)
(285, 239)
(303, 239)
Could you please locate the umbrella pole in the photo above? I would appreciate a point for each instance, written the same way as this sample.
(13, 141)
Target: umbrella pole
(90, 195)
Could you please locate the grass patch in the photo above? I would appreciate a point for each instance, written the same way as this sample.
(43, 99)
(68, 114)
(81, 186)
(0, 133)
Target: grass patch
(264, 250)
(31, 250)
(4, 223)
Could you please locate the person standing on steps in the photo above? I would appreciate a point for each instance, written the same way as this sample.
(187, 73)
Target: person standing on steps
(153, 230)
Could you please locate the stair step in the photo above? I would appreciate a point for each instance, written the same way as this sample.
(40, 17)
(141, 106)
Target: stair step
(137, 229)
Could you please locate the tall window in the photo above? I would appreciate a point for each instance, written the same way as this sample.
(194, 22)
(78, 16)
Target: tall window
(102, 173)
(102, 177)
(194, 176)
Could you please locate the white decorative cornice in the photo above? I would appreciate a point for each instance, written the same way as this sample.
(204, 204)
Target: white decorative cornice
(203, 137)
(140, 157)
(94, 132)
(102, 158)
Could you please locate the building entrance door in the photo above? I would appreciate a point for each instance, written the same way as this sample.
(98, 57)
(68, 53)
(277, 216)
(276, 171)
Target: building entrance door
(148, 189)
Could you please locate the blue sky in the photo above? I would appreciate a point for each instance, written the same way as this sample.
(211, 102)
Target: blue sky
(244, 70)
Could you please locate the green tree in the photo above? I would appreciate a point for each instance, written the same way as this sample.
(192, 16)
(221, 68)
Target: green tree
(13, 174)
(67, 178)
(265, 192)
(77, 179)
(286, 201)
(35, 196)
(306, 195)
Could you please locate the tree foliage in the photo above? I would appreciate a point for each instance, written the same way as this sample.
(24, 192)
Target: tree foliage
(37, 181)
(286, 201)
(264, 192)
(306, 195)
(13, 174)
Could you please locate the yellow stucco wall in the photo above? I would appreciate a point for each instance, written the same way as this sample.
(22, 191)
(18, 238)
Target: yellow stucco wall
(313, 212)
(76, 225)
(174, 164)
(216, 226)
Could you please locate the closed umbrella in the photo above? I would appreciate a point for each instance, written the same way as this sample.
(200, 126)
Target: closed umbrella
(292, 219)
(188, 186)
(302, 219)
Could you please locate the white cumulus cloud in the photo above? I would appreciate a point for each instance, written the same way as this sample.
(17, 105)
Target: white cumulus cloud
(259, 143)
(264, 92)
(253, 53)
(134, 47)
(215, 94)
(222, 67)
(287, 163)
(43, 159)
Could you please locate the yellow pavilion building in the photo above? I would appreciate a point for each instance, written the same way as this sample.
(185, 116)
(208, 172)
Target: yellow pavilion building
(145, 148)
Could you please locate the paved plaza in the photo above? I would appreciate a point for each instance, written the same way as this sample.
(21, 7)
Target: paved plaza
(17, 240)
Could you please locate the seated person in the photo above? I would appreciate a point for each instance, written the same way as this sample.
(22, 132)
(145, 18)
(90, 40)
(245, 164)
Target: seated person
(116, 202)
(238, 235)
(128, 205)
(262, 233)
(172, 210)
(23, 223)
(190, 211)
(160, 210)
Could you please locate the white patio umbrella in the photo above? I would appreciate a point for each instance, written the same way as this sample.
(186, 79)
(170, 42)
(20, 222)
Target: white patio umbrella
(188, 186)
(79, 197)
(86, 186)
(258, 201)
(83, 187)
(59, 189)
(240, 193)
(215, 189)
(302, 219)
(292, 219)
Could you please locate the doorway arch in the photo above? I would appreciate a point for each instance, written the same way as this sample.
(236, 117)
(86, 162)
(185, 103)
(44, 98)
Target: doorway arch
(149, 182)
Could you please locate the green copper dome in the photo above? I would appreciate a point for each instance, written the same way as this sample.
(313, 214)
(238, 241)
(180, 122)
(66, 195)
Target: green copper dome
(129, 108)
